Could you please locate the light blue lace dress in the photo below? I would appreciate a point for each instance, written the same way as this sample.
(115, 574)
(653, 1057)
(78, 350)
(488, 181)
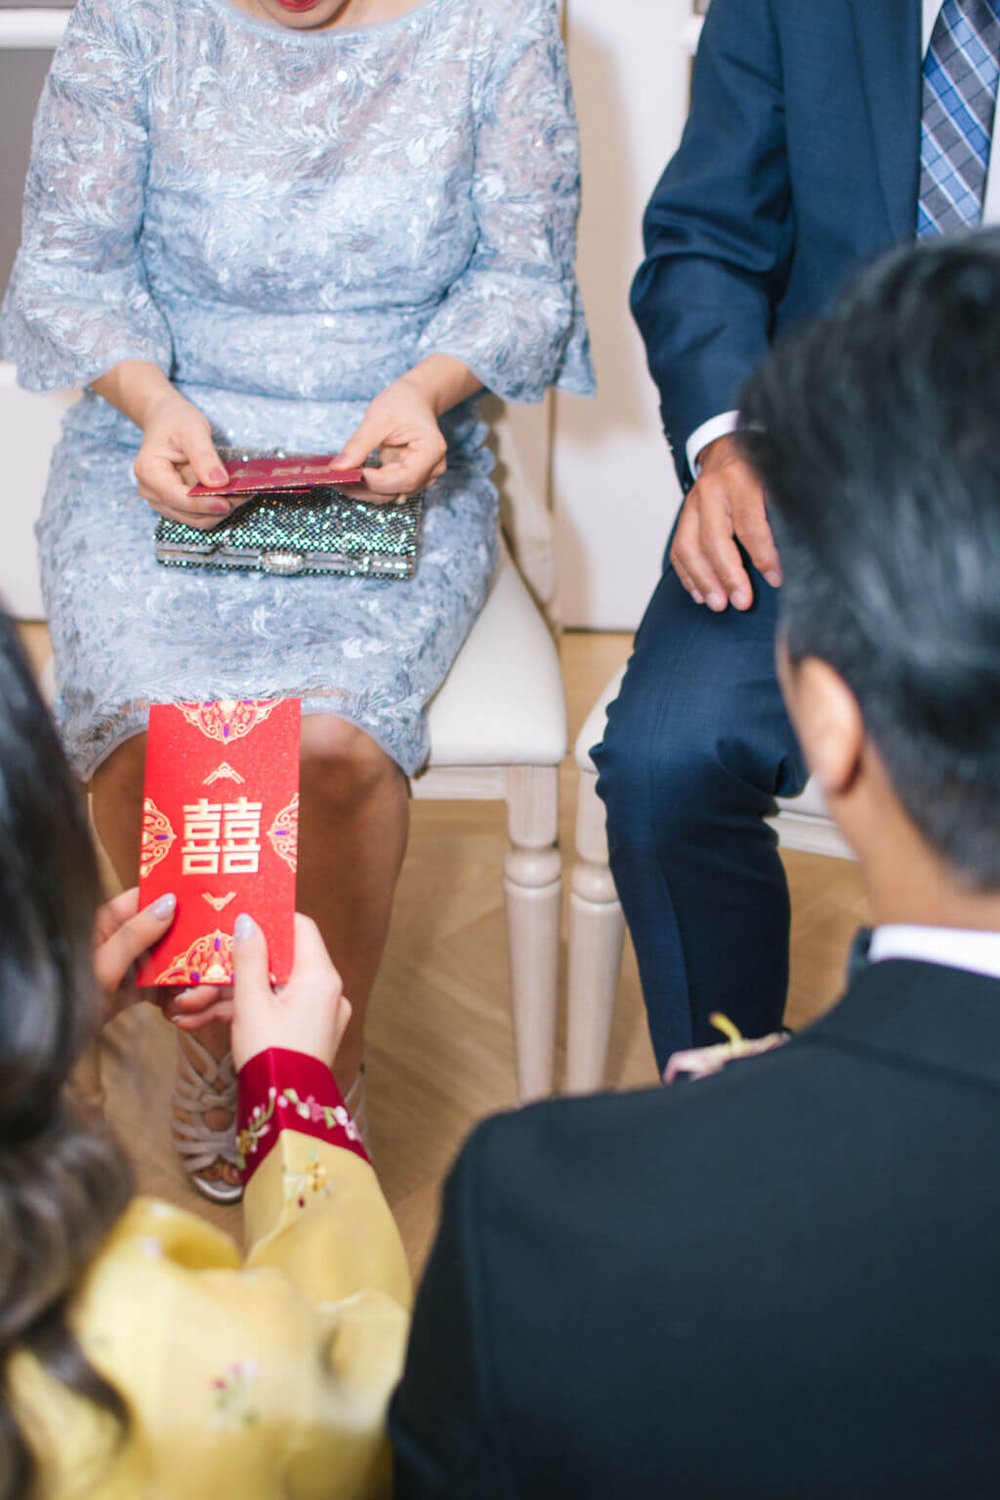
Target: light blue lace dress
(285, 222)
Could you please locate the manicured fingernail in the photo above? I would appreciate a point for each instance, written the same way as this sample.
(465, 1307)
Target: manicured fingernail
(165, 906)
(698, 598)
(716, 601)
(740, 600)
(244, 926)
(218, 476)
(773, 578)
(219, 508)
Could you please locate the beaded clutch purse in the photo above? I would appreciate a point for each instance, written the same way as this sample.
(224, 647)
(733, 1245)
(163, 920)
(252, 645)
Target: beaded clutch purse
(316, 531)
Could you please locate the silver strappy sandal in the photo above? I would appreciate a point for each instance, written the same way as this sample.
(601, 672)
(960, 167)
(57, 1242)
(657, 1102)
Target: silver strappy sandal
(356, 1103)
(199, 1094)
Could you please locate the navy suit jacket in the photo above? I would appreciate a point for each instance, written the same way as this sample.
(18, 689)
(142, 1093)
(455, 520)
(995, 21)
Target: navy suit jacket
(799, 164)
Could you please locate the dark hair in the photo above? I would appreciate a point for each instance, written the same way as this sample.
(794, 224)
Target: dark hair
(876, 433)
(63, 1183)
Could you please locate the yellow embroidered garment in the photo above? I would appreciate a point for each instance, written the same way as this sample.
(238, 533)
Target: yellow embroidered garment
(261, 1380)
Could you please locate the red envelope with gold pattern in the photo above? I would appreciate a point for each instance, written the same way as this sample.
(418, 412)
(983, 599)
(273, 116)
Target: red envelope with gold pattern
(220, 830)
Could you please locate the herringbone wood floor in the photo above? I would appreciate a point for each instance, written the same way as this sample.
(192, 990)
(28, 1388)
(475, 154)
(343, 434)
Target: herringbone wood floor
(440, 1049)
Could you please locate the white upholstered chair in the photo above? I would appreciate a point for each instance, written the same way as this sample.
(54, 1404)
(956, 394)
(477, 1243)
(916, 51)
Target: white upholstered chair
(597, 925)
(498, 733)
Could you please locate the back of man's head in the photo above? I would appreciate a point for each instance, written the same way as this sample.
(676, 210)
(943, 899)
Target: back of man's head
(877, 436)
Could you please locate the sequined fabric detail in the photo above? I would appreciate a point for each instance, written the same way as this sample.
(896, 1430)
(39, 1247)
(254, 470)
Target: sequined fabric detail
(319, 533)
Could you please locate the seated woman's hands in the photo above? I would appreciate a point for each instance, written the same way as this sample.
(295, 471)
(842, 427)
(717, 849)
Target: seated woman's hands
(177, 451)
(401, 426)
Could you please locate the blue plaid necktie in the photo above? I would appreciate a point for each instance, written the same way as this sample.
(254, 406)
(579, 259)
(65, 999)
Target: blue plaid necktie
(959, 102)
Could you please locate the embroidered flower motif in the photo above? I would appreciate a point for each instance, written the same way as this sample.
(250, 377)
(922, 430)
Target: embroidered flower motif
(248, 1139)
(309, 1109)
(347, 1125)
(233, 1406)
(312, 1180)
(258, 1125)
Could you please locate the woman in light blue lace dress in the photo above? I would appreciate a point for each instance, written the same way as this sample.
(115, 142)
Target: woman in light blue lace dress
(314, 225)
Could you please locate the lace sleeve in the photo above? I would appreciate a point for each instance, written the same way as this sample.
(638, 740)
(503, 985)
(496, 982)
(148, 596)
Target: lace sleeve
(514, 316)
(78, 300)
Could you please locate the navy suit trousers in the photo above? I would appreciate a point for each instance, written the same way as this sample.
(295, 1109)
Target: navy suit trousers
(697, 747)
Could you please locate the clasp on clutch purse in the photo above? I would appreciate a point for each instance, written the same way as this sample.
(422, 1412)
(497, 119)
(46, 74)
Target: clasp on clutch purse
(285, 564)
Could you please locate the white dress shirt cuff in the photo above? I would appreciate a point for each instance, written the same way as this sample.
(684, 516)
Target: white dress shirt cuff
(716, 427)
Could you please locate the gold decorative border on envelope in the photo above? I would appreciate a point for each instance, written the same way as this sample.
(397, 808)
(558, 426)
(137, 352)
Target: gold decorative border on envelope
(284, 834)
(157, 837)
(224, 772)
(218, 903)
(231, 718)
(209, 960)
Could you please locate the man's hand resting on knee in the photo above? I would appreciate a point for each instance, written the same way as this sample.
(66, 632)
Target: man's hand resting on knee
(724, 506)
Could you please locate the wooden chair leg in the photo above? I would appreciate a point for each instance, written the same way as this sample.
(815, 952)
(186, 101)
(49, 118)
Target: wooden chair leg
(596, 934)
(533, 888)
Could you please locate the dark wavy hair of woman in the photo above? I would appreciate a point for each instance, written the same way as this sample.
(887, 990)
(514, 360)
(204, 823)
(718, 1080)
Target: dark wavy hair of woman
(63, 1182)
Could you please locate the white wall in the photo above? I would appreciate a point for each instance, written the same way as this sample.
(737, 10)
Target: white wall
(29, 428)
(615, 491)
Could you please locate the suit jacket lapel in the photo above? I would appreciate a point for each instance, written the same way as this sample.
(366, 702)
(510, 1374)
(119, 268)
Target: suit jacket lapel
(887, 34)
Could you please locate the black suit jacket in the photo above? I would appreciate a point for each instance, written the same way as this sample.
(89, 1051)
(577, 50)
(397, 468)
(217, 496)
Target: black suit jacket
(798, 165)
(782, 1282)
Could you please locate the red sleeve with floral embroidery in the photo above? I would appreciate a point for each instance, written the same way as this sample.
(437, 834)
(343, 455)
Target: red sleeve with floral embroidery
(280, 1090)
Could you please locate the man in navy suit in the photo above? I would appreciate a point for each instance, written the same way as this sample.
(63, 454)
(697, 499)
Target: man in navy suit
(780, 1283)
(819, 135)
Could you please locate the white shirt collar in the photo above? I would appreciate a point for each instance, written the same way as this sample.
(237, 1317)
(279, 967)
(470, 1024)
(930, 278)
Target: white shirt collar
(930, 15)
(954, 947)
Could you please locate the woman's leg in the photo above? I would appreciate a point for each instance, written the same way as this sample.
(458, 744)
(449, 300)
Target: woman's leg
(116, 800)
(353, 827)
